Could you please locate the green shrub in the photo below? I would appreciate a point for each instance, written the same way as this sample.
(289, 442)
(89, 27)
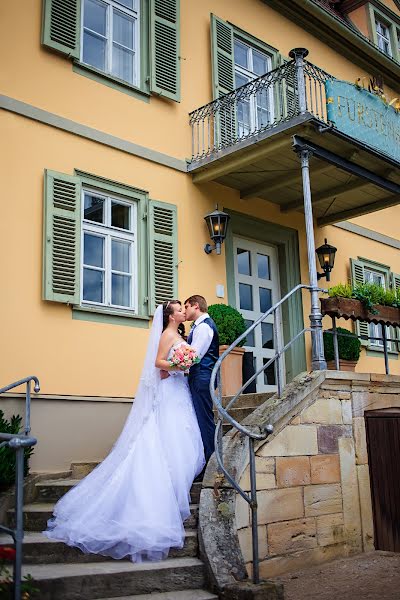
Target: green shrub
(369, 294)
(349, 346)
(229, 322)
(7, 455)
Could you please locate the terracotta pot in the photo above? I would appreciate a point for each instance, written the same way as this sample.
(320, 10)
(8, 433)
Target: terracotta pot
(231, 371)
(344, 365)
(349, 308)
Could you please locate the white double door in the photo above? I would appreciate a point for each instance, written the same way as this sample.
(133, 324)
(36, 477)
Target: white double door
(257, 289)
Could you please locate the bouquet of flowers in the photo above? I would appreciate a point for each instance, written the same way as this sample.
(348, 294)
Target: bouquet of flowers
(184, 357)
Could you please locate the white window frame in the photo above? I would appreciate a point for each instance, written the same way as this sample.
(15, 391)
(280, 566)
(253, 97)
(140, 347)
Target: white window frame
(381, 37)
(250, 75)
(374, 329)
(110, 233)
(133, 14)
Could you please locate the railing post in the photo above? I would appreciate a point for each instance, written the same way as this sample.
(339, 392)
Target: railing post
(385, 350)
(19, 526)
(299, 55)
(335, 344)
(253, 506)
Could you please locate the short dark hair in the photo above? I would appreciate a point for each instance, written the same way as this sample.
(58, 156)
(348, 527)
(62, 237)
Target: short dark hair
(200, 300)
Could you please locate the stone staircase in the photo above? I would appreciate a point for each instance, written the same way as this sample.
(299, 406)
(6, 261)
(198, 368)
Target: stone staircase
(65, 573)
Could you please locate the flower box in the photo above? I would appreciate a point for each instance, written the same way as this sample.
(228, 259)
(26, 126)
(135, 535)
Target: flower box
(349, 308)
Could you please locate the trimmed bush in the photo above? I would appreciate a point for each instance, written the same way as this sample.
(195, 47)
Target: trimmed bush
(229, 322)
(349, 347)
(7, 455)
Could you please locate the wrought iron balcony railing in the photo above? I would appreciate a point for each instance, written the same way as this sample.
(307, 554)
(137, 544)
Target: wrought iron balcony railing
(255, 107)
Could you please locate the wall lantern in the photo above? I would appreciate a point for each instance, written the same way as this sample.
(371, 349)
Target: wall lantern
(326, 256)
(217, 224)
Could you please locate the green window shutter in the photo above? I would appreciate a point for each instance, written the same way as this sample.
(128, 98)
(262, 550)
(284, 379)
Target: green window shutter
(223, 74)
(222, 54)
(288, 100)
(163, 253)
(61, 26)
(357, 276)
(62, 238)
(164, 48)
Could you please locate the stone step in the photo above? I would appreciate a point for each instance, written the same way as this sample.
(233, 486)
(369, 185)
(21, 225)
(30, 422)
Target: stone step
(238, 413)
(39, 550)
(37, 514)
(183, 595)
(112, 579)
(52, 490)
(248, 400)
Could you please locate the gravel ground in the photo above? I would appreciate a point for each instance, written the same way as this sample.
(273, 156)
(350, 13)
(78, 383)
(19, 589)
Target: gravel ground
(370, 576)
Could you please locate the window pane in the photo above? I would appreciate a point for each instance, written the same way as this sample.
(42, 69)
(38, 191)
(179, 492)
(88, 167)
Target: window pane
(120, 259)
(127, 3)
(260, 63)
(243, 258)
(123, 30)
(93, 252)
(120, 215)
(245, 296)
(122, 63)
(269, 373)
(93, 285)
(240, 80)
(94, 51)
(120, 293)
(265, 299)
(95, 16)
(93, 209)
(267, 333)
(263, 266)
(250, 336)
(240, 52)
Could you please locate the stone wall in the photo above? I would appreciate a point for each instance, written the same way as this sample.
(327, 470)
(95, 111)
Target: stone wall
(314, 500)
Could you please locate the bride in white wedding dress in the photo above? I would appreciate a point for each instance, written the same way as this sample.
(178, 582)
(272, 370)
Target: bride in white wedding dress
(134, 503)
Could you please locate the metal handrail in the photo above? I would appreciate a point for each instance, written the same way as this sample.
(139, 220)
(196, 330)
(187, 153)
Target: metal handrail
(18, 443)
(215, 125)
(251, 435)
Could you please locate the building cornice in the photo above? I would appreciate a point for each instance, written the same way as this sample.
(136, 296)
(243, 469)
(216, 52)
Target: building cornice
(340, 37)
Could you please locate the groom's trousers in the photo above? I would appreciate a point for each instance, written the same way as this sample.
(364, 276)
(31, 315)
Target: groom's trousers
(203, 406)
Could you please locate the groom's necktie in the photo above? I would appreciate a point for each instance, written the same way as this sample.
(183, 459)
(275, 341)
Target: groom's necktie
(190, 336)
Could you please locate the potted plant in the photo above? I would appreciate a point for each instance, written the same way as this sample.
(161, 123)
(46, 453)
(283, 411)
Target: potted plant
(349, 348)
(367, 302)
(230, 325)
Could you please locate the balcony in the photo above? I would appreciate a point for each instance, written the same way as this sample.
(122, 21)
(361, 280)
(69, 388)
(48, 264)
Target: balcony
(250, 140)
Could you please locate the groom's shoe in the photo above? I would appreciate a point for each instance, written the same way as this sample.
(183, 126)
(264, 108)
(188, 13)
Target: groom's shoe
(200, 476)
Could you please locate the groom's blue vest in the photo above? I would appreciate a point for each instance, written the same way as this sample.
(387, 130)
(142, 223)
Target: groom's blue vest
(211, 356)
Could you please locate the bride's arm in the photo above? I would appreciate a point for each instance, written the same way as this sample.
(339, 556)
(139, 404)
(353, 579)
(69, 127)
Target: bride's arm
(164, 346)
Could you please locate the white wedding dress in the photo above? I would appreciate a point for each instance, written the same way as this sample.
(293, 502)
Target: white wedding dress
(134, 503)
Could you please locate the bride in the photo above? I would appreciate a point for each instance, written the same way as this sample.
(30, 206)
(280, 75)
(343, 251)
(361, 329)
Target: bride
(134, 503)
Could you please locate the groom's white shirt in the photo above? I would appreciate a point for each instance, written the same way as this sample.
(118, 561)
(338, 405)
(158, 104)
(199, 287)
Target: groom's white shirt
(202, 336)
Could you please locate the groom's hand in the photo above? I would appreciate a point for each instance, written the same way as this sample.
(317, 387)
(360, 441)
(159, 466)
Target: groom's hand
(164, 374)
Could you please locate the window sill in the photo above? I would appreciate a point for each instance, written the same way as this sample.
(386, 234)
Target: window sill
(109, 316)
(374, 352)
(110, 81)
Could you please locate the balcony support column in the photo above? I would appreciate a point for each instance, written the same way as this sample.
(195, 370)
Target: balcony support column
(318, 361)
(299, 54)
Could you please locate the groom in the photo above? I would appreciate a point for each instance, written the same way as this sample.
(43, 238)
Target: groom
(203, 337)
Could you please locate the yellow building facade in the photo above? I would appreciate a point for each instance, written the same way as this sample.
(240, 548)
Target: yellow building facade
(97, 150)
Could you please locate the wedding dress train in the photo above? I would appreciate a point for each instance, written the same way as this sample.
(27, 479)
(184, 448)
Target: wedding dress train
(134, 503)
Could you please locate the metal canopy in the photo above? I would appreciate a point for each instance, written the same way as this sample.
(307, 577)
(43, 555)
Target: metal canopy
(348, 179)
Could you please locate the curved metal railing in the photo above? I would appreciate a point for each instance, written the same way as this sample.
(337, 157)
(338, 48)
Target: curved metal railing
(18, 442)
(266, 430)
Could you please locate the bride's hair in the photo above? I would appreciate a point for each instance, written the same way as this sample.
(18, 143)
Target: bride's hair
(168, 310)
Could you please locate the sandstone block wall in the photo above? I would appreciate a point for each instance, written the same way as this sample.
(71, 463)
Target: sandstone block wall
(314, 500)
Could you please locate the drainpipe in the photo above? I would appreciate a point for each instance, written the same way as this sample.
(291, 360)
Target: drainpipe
(318, 361)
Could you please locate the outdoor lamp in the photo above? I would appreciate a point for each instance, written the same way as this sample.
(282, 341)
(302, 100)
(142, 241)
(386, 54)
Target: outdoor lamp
(217, 224)
(326, 256)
